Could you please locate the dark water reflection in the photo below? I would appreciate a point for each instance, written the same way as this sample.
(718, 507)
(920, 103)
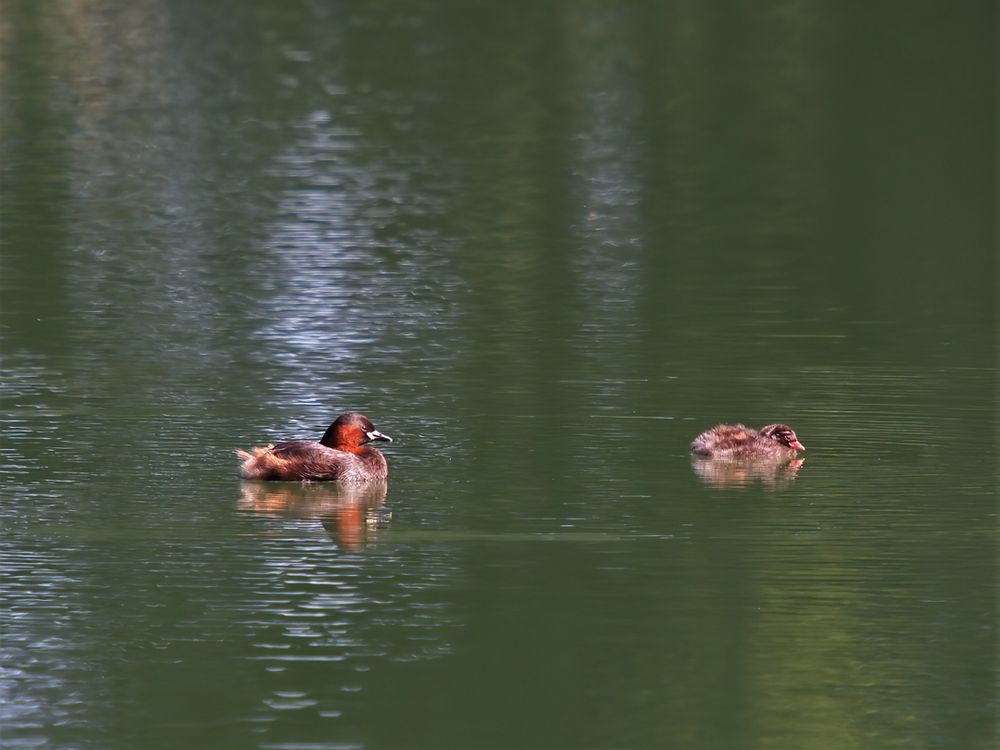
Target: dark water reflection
(543, 248)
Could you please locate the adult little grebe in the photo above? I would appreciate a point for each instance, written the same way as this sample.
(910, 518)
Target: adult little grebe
(341, 455)
(736, 441)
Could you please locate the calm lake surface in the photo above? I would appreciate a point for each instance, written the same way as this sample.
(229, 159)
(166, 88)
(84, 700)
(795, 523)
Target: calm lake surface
(542, 246)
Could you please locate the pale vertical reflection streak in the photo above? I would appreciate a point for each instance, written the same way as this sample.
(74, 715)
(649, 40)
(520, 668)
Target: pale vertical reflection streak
(605, 167)
(604, 122)
(326, 273)
(350, 280)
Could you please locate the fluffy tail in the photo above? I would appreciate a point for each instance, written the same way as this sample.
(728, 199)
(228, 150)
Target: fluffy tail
(258, 462)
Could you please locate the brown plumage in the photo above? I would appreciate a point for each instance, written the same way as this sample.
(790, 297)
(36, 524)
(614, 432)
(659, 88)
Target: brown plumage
(737, 441)
(341, 455)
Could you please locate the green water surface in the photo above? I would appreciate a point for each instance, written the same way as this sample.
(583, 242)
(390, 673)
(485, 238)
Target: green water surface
(542, 245)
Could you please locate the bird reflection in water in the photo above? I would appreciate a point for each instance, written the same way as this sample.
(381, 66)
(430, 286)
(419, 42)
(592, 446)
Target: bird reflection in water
(730, 473)
(352, 513)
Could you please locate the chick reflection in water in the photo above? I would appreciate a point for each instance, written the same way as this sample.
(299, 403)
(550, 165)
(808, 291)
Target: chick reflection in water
(352, 513)
(734, 473)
